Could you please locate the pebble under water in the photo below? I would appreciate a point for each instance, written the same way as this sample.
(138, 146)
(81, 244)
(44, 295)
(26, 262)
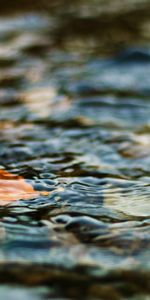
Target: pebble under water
(75, 123)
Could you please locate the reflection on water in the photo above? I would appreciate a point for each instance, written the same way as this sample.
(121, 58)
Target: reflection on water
(75, 122)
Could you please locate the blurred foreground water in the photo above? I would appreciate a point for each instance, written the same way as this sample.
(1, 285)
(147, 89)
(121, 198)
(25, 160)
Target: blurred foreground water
(75, 121)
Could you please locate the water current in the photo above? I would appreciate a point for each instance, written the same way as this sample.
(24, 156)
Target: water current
(75, 123)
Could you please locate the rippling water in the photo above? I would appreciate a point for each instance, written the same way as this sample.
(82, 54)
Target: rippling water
(75, 121)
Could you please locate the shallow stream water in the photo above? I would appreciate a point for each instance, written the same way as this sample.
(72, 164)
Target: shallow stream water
(75, 122)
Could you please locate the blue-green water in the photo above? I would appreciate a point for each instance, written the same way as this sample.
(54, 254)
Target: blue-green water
(75, 121)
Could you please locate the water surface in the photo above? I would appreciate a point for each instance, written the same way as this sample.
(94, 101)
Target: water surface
(75, 122)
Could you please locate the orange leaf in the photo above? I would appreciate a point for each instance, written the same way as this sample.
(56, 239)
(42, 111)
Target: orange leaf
(13, 187)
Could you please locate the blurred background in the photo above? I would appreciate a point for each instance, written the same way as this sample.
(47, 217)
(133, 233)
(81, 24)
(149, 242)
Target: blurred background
(109, 25)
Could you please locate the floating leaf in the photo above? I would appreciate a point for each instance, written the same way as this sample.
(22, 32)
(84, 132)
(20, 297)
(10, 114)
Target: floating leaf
(13, 187)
